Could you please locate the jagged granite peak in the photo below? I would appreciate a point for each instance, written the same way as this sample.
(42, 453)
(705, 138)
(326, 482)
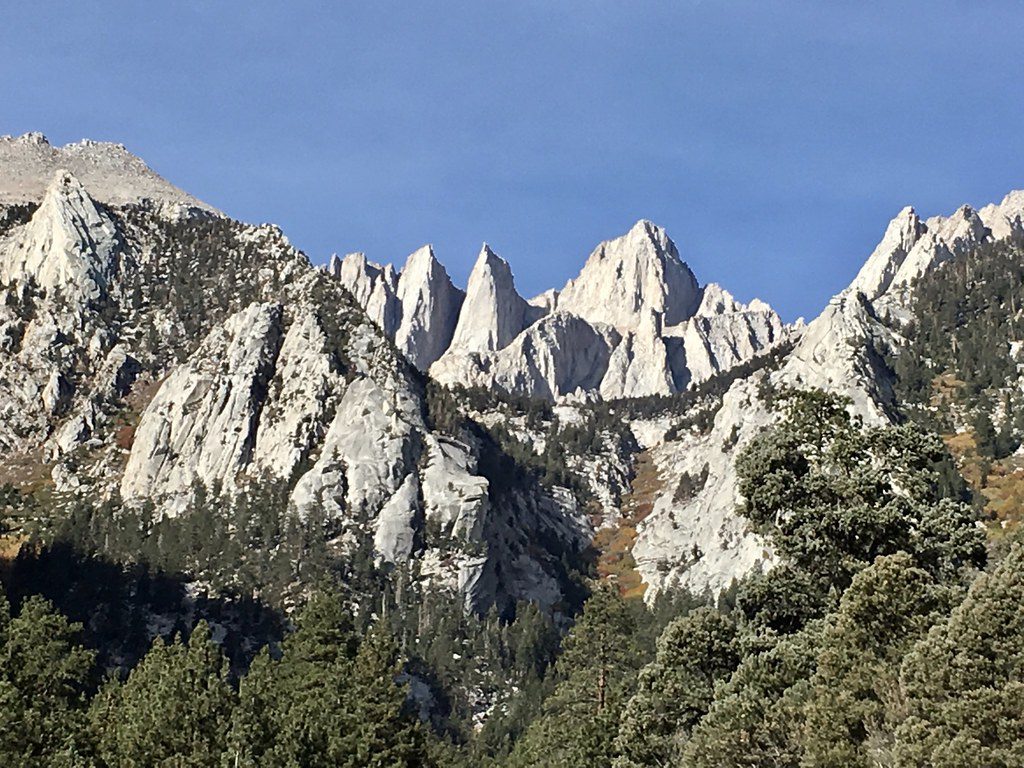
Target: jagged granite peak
(624, 284)
(493, 312)
(69, 246)
(910, 247)
(111, 173)
(1005, 219)
(879, 271)
(625, 277)
(373, 286)
(430, 306)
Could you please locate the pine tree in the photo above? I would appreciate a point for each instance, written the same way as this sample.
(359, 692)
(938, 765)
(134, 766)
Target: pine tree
(853, 703)
(328, 701)
(964, 681)
(596, 673)
(292, 711)
(44, 676)
(174, 709)
(674, 691)
(383, 734)
(756, 716)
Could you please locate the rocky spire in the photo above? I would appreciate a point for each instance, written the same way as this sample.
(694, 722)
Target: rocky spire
(493, 313)
(631, 275)
(69, 246)
(945, 238)
(429, 308)
(375, 288)
(884, 262)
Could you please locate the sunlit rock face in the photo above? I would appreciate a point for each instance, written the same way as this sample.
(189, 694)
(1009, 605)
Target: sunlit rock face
(634, 322)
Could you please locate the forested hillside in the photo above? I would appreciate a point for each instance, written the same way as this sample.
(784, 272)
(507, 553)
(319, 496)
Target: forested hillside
(889, 634)
(960, 372)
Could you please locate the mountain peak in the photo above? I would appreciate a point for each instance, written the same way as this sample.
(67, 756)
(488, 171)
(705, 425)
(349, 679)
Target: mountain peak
(493, 312)
(68, 245)
(879, 271)
(111, 173)
(628, 275)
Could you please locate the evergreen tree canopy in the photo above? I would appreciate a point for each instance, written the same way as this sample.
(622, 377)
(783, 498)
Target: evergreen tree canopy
(44, 678)
(964, 681)
(694, 653)
(173, 710)
(596, 673)
(832, 494)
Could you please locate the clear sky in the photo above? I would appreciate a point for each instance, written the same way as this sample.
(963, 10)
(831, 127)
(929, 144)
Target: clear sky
(774, 140)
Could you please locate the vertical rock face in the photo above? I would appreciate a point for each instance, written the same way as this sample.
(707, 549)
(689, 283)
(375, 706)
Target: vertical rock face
(639, 366)
(374, 287)
(429, 308)
(627, 277)
(68, 247)
(301, 398)
(493, 313)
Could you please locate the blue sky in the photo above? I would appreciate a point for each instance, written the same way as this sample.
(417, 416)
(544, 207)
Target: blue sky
(773, 140)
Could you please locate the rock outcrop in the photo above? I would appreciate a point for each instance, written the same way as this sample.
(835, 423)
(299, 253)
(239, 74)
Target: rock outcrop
(201, 426)
(68, 247)
(910, 248)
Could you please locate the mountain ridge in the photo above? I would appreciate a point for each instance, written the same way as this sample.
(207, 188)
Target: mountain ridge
(342, 386)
